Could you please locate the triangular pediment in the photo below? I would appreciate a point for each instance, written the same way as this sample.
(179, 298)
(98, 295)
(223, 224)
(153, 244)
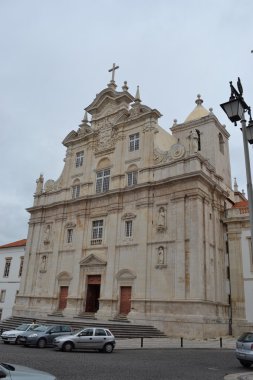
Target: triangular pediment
(92, 261)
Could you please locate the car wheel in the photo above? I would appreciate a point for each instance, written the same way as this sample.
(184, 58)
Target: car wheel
(17, 340)
(41, 343)
(67, 347)
(6, 342)
(108, 348)
(245, 363)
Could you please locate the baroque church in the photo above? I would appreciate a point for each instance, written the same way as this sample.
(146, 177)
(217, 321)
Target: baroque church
(134, 224)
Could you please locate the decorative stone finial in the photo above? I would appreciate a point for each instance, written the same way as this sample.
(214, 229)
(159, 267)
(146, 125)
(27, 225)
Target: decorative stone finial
(224, 125)
(199, 101)
(243, 192)
(235, 185)
(175, 122)
(211, 110)
(85, 118)
(39, 186)
(125, 87)
(137, 95)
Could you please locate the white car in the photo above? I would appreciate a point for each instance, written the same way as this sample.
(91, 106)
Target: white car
(19, 372)
(12, 336)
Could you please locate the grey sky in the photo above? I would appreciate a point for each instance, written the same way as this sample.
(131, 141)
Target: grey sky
(55, 56)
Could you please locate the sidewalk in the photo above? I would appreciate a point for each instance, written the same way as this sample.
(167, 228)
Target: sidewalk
(139, 343)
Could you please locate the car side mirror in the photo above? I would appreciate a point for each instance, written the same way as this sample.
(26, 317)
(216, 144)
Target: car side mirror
(2, 374)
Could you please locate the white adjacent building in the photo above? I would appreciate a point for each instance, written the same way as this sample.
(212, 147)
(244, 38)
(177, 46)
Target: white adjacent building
(11, 267)
(134, 224)
(241, 262)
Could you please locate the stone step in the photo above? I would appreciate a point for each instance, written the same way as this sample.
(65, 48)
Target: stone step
(119, 329)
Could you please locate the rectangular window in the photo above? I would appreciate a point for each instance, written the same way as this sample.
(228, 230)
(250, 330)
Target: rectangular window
(1, 311)
(2, 295)
(103, 181)
(21, 266)
(132, 178)
(7, 267)
(97, 232)
(79, 159)
(69, 235)
(129, 228)
(134, 142)
(75, 191)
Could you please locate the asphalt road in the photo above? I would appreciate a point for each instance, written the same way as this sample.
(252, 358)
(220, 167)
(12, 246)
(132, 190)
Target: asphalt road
(141, 364)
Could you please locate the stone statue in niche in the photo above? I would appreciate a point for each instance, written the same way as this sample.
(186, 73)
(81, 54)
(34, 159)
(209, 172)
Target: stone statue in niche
(161, 219)
(43, 264)
(161, 258)
(47, 234)
(194, 138)
(160, 255)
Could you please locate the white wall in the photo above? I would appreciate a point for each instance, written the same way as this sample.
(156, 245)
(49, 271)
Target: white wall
(10, 283)
(247, 274)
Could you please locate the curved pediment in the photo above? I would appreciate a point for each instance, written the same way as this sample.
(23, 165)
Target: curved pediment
(92, 261)
(126, 274)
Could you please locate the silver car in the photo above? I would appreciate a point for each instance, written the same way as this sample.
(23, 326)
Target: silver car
(92, 338)
(244, 349)
(18, 372)
(43, 336)
(12, 336)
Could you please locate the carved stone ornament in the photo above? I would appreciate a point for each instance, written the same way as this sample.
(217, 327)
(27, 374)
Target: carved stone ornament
(107, 135)
(49, 185)
(128, 215)
(70, 225)
(160, 157)
(177, 151)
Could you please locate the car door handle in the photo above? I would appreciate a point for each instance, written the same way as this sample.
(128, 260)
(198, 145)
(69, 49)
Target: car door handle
(90, 338)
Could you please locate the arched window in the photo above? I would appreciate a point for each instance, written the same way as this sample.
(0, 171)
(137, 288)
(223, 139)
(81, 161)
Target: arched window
(221, 143)
(132, 175)
(199, 142)
(103, 176)
(76, 189)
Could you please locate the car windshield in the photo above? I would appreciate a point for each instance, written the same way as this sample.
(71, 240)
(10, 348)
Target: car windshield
(41, 328)
(246, 337)
(23, 327)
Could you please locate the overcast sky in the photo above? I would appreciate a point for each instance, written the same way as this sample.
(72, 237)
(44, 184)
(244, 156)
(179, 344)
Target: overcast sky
(55, 56)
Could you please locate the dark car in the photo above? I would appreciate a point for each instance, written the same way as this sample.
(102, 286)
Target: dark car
(43, 336)
(244, 349)
(95, 338)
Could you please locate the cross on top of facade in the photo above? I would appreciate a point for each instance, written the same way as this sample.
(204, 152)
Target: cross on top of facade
(112, 70)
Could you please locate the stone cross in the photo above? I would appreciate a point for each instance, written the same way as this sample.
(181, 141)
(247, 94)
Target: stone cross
(114, 67)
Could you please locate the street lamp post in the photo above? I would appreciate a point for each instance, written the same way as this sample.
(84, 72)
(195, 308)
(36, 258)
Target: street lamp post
(235, 109)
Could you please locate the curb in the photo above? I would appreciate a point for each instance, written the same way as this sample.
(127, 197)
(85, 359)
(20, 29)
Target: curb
(240, 376)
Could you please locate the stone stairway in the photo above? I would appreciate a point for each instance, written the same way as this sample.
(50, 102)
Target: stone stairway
(119, 329)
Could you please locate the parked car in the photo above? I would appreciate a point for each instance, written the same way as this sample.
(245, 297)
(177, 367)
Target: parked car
(12, 336)
(18, 372)
(244, 349)
(95, 338)
(43, 335)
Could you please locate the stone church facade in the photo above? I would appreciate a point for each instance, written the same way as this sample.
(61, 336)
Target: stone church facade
(133, 226)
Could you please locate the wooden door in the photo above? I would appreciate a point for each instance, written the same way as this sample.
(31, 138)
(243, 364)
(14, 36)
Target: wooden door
(125, 299)
(63, 297)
